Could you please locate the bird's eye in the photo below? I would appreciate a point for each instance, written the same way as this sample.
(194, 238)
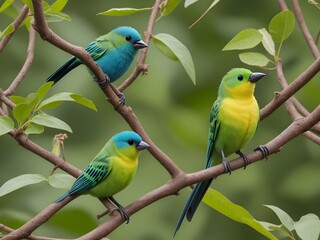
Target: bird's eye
(128, 38)
(240, 77)
(130, 141)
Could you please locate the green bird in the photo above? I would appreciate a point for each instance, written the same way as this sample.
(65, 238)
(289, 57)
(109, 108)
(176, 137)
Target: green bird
(234, 118)
(111, 170)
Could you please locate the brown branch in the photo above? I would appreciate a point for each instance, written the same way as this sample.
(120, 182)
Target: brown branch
(31, 237)
(283, 5)
(304, 29)
(295, 86)
(16, 23)
(292, 103)
(26, 66)
(183, 180)
(125, 111)
(141, 66)
(38, 220)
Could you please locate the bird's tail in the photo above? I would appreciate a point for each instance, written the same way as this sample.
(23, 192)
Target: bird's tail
(193, 202)
(63, 70)
(63, 196)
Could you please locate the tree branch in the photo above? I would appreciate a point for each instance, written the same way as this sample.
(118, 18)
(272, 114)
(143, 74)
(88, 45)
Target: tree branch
(296, 85)
(141, 66)
(16, 23)
(26, 66)
(304, 29)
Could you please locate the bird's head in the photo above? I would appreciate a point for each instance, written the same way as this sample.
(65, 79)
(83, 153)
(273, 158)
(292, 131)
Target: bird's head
(129, 144)
(128, 36)
(239, 82)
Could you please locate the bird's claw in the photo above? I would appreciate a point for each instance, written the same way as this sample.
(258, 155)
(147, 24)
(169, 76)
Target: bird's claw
(103, 84)
(264, 150)
(245, 159)
(122, 98)
(226, 165)
(123, 213)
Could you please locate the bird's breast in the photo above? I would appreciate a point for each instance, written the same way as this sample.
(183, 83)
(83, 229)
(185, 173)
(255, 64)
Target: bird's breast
(238, 122)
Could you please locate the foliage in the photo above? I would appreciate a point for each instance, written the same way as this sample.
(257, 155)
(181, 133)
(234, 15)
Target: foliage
(29, 113)
(280, 28)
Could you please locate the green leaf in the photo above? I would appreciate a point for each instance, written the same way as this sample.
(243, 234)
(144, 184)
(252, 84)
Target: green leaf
(17, 99)
(83, 101)
(58, 98)
(6, 125)
(285, 219)
(43, 90)
(187, 3)
(58, 5)
(247, 38)
(61, 180)
(308, 227)
(32, 100)
(210, 7)
(21, 112)
(33, 128)
(169, 6)
(50, 121)
(174, 49)
(7, 31)
(5, 5)
(220, 203)
(28, 3)
(254, 59)
(19, 182)
(123, 11)
(267, 42)
(281, 26)
(54, 16)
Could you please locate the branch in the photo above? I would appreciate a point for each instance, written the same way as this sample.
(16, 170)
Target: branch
(141, 66)
(296, 85)
(26, 66)
(16, 23)
(183, 180)
(292, 105)
(304, 29)
(125, 111)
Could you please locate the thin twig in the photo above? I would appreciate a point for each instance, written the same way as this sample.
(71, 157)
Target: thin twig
(16, 23)
(295, 86)
(304, 29)
(283, 5)
(141, 66)
(26, 66)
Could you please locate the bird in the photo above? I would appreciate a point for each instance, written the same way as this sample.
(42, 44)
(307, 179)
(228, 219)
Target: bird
(112, 169)
(234, 118)
(113, 52)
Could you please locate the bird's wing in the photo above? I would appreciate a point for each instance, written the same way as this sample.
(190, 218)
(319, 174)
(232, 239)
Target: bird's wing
(93, 174)
(98, 48)
(213, 131)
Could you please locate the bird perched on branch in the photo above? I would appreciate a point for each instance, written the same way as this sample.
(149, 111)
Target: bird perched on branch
(234, 118)
(111, 170)
(113, 52)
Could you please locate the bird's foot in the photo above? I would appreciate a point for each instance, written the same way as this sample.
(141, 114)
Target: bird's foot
(244, 157)
(122, 98)
(264, 150)
(103, 84)
(226, 165)
(121, 209)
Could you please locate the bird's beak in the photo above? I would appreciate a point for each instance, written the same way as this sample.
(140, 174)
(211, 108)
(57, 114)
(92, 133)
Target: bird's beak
(140, 44)
(142, 145)
(255, 77)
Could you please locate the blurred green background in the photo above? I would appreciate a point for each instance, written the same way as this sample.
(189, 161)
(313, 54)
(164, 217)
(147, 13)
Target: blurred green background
(175, 114)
